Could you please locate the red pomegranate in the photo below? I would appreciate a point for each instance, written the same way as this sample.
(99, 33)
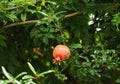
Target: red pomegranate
(60, 53)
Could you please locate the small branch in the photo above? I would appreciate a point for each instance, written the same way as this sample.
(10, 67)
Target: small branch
(72, 14)
(12, 8)
(84, 53)
(110, 7)
(67, 65)
(20, 23)
(34, 21)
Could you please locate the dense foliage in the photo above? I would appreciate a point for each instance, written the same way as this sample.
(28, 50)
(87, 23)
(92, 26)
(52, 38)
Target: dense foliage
(30, 29)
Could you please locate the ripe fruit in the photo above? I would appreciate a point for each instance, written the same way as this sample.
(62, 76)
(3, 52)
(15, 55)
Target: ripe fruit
(60, 53)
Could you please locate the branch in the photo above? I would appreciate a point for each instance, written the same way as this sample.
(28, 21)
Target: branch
(12, 8)
(72, 14)
(35, 21)
(111, 7)
(20, 23)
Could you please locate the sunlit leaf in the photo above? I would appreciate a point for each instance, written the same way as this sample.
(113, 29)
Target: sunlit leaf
(46, 72)
(8, 75)
(23, 17)
(74, 46)
(21, 74)
(43, 13)
(27, 77)
(118, 80)
(31, 68)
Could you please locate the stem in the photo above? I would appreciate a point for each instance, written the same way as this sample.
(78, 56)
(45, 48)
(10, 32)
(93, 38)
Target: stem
(84, 53)
(34, 21)
(19, 23)
(67, 64)
(12, 8)
(72, 14)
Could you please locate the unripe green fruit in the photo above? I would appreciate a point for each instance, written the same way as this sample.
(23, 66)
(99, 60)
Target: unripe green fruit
(66, 34)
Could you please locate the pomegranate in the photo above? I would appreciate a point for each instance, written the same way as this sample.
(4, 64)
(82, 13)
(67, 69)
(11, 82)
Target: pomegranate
(60, 53)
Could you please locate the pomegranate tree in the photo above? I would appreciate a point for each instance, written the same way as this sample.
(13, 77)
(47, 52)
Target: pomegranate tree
(60, 53)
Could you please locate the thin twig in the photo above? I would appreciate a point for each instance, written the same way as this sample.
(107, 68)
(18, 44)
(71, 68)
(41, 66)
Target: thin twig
(19, 23)
(84, 53)
(34, 21)
(67, 65)
(12, 8)
(72, 14)
(110, 7)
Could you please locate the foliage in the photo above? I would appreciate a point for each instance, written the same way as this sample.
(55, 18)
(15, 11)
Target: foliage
(25, 77)
(30, 29)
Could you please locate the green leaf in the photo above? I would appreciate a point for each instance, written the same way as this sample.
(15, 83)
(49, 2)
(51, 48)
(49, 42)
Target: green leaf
(74, 46)
(21, 74)
(8, 75)
(1, 31)
(29, 81)
(34, 33)
(43, 13)
(61, 76)
(51, 36)
(23, 17)
(58, 13)
(85, 58)
(12, 17)
(46, 72)
(2, 43)
(118, 80)
(52, 2)
(4, 81)
(116, 19)
(31, 68)
(2, 37)
(45, 40)
(27, 77)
